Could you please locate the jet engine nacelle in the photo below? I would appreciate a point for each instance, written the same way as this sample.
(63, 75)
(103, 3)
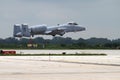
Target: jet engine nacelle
(38, 29)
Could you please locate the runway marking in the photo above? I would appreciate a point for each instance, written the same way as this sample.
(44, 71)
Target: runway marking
(83, 63)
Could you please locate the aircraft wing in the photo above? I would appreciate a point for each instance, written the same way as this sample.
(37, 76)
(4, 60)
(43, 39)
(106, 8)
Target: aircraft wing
(47, 32)
(56, 31)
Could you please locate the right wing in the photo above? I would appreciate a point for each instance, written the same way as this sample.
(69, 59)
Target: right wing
(59, 31)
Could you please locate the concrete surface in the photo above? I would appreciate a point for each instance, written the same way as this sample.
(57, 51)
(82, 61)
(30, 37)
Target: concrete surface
(59, 68)
(70, 51)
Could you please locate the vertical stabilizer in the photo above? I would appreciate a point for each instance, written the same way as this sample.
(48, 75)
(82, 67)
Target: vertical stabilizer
(17, 30)
(25, 30)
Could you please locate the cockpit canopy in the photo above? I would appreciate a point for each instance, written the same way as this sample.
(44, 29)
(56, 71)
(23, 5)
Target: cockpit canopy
(72, 23)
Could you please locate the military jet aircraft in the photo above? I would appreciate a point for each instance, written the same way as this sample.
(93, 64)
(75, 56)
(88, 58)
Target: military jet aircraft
(23, 30)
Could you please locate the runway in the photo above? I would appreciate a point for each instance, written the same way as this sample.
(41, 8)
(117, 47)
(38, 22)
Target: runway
(59, 67)
(69, 51)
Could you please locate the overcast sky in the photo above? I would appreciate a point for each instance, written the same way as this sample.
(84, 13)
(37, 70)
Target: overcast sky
(100, 17)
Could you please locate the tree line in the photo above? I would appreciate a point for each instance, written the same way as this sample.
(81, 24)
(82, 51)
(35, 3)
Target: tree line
(60, 43)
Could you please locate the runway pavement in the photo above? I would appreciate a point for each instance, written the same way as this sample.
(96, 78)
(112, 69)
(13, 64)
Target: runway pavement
(59, 68)
(69, 51)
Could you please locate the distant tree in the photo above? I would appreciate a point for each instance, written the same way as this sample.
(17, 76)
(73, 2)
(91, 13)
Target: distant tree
(39, 40)
(62, 43)
(94, 41)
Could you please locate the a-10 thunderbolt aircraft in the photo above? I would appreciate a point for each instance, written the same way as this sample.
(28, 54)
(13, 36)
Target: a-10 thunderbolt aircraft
(23, 30)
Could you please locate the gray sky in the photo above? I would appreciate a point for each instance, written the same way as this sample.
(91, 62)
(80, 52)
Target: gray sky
(100, 17)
